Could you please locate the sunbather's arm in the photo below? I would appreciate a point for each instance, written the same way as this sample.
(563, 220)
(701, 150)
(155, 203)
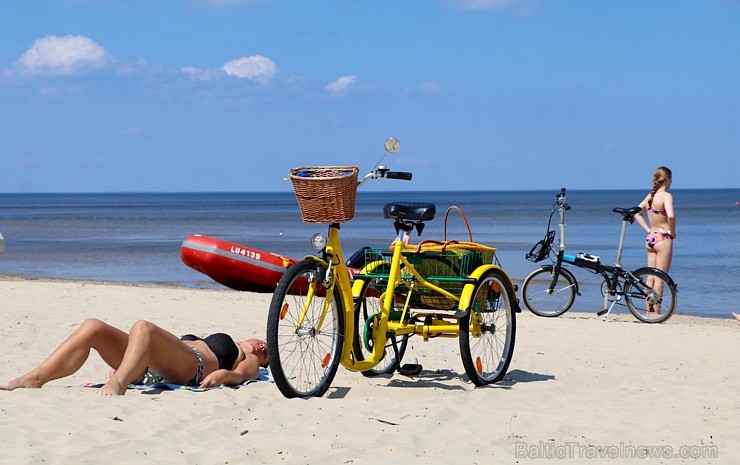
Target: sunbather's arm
(246, 370)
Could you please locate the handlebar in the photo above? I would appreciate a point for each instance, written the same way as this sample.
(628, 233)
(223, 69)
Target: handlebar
(402, 175)
(383, 172)
(379, 171)
(560, 199)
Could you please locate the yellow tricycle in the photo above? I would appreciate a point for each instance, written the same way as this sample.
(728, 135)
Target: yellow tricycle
(319, 318)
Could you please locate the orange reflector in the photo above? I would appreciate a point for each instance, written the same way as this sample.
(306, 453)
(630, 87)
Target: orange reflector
(284, 311)
(479, 365)
(325, 362)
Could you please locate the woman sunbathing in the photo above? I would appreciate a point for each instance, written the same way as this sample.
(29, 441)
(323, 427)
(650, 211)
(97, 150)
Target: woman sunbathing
(148, 354)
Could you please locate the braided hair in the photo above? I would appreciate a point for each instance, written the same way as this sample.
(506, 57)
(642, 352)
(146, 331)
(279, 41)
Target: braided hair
(660, 176)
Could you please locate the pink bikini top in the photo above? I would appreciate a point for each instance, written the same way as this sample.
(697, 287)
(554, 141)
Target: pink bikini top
(657, 212)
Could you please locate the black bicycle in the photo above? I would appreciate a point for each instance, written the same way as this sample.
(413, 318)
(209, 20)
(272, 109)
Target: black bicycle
(649, 293)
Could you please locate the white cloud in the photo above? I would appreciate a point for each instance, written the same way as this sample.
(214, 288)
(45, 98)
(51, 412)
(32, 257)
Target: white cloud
(133, 69)
(429, 87)
(423, 88)
(197, 74)
(229, 2)
(255, 68)
(341, 85)
(131, 132)
(515, 6)
(64, 55)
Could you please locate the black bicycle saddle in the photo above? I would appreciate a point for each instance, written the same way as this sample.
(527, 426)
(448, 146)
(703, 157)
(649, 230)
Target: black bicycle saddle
(411, 211)
(628, 213)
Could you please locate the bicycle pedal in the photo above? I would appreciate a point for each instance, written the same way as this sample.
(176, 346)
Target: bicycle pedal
(601, 312)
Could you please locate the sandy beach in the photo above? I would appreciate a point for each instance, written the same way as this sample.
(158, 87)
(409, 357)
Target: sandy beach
(579, 390)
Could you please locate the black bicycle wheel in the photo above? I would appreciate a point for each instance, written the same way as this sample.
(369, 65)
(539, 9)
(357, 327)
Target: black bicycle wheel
(303, 356)
(367, 311)
(652, 297)
(488, 329)
(540, 300)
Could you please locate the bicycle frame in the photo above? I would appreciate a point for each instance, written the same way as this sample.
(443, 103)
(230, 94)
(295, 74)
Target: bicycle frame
(614, 276)
(610, 274)
(335, 265)
(399, 263)
(334, 262)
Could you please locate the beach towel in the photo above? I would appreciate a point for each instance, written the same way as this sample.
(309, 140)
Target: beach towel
(264, 375)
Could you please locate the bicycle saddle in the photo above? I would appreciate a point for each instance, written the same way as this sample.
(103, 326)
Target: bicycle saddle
(627, 213)
(411, 211)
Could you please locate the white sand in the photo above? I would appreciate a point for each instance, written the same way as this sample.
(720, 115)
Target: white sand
(578, 387)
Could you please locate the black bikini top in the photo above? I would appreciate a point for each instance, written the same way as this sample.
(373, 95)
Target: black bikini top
(222, 345)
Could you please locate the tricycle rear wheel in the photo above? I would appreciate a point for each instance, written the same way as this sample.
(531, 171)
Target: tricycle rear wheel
(488, 329)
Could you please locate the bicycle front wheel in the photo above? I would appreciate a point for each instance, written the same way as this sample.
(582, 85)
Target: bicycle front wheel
(542, 301)
(488, 329)
(367, 312)
(304, 334)
(652, 297)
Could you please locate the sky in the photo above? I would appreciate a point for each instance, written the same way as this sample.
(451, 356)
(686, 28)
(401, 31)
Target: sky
(228, 95)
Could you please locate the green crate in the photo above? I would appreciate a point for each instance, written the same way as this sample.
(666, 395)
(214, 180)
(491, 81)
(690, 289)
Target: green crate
(447, 268)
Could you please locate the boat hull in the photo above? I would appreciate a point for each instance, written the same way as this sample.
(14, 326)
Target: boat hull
(237, 266)
(234, 265)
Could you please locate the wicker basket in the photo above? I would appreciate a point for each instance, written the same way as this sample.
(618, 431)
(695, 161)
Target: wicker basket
(326, 194)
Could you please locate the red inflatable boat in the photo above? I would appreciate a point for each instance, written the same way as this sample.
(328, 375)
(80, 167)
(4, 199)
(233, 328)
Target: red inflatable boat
(236, 266)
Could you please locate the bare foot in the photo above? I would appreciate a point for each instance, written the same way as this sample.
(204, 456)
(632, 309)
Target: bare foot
(22, 382)
(113, 388)
(737, 316)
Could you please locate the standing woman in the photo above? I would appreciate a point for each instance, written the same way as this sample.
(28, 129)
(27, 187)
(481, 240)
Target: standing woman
(662, 228)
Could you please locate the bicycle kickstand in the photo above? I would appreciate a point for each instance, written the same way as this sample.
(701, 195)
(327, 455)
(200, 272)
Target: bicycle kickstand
(606, 311)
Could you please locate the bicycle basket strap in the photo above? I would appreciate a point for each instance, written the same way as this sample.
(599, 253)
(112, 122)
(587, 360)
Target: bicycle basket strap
(465, 220)
(431, 244)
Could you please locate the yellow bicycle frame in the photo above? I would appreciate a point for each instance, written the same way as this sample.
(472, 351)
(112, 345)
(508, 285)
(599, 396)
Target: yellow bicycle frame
(340, 279)
(349, 292)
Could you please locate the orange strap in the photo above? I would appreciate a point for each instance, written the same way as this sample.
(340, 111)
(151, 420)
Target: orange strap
(462, 215)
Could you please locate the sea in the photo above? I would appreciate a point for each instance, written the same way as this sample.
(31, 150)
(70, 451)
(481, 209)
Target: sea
(136, 237)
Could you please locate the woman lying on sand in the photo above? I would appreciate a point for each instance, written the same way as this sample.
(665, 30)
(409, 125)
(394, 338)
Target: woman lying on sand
(147, 355)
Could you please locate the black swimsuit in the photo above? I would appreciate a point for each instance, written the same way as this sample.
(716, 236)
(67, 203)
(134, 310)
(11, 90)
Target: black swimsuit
(222, 345)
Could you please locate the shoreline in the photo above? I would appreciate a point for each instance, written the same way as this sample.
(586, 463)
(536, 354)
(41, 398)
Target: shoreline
(216, 287)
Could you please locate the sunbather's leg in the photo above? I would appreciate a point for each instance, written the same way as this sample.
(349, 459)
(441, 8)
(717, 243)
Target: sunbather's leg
(150, 346)
(74, 351)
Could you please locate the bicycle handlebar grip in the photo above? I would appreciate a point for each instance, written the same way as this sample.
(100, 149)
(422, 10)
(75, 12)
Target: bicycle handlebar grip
(399, 175)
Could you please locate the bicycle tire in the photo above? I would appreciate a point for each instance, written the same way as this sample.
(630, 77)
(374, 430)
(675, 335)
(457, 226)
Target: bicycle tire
(538, 299)
(368, 306)
(643, 295)
(487, 345)
(303, 359)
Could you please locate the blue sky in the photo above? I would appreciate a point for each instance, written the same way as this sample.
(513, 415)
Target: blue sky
(227, 95)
